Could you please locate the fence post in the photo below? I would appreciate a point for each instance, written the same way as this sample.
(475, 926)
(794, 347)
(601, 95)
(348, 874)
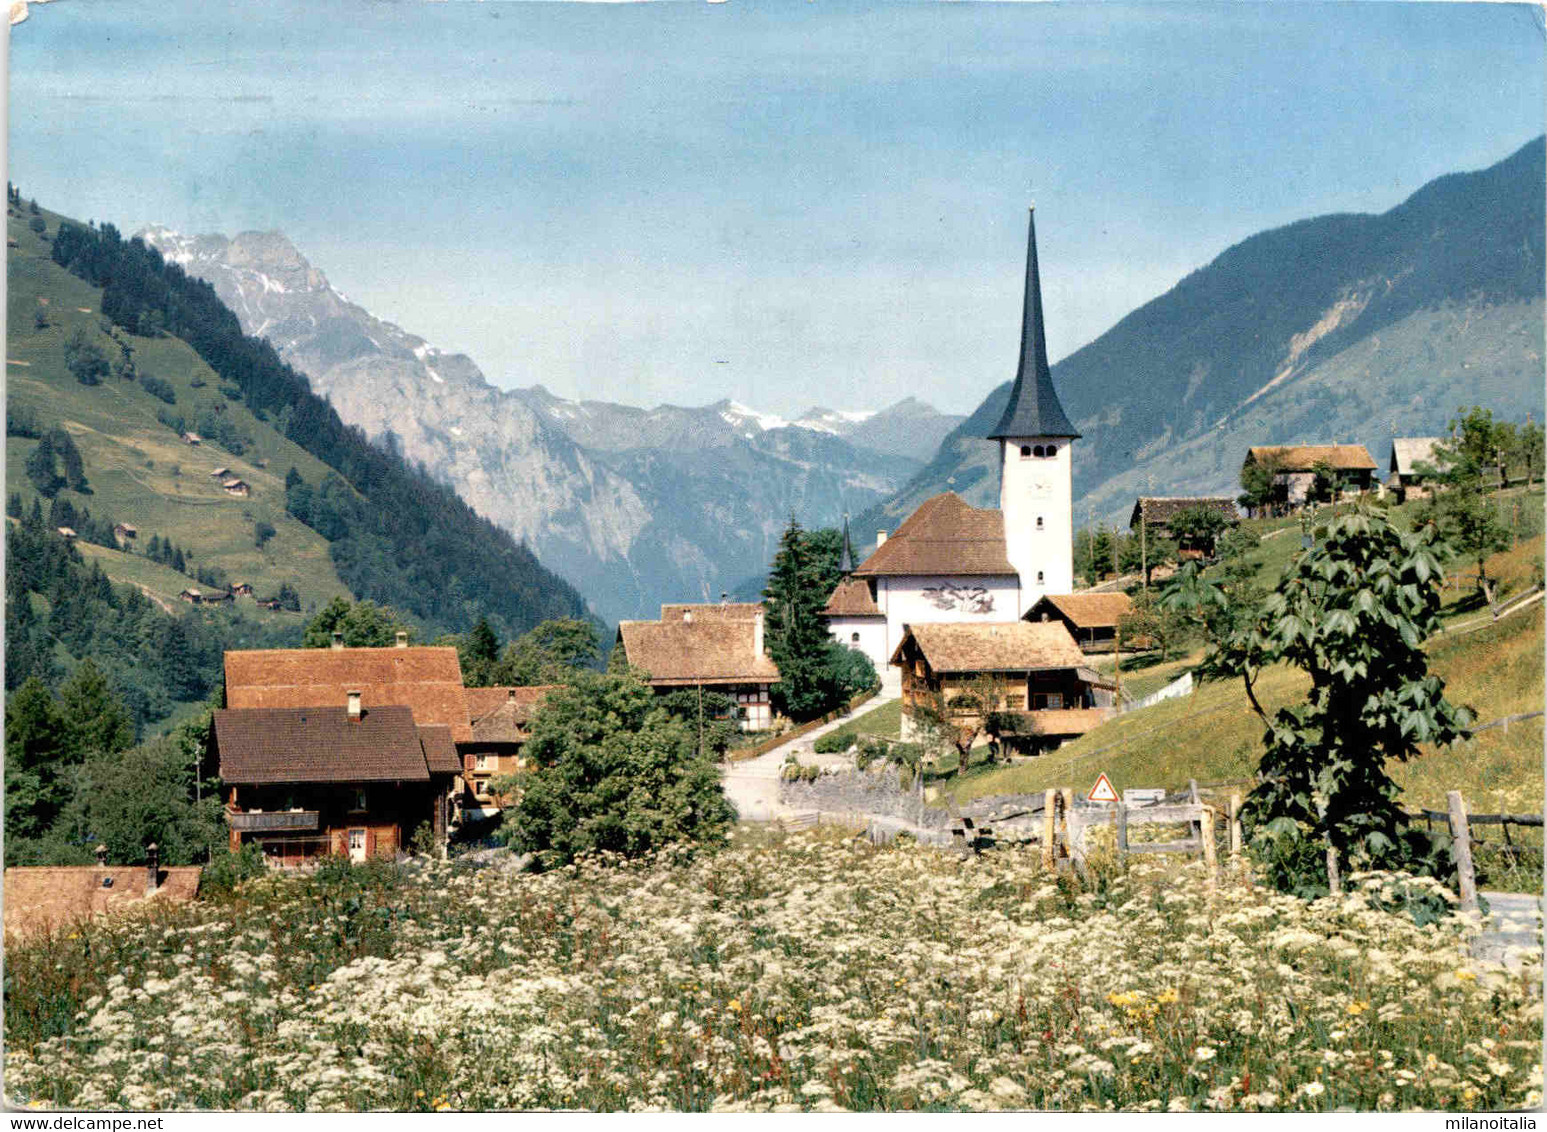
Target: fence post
(1122, 827)
(1206, 832)
(1049, 820)
(1461, 836)
(1235, 827)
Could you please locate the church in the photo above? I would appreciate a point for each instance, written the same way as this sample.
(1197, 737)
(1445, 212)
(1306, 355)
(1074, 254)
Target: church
(950, 562)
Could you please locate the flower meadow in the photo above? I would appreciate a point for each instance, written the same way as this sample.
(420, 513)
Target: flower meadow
(807, 972)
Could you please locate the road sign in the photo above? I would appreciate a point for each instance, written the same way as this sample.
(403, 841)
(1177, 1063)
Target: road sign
(1102, 791)
(1143, 796)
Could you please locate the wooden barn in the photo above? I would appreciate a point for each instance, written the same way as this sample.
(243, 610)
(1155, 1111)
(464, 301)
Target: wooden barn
(1091, 619)
(1152, 518)
(1407, 454)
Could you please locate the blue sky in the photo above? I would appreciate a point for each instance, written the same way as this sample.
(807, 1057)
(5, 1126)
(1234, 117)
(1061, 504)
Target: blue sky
(830, 197)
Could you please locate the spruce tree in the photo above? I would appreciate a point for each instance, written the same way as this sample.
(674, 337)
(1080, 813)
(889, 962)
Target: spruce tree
(95, 718)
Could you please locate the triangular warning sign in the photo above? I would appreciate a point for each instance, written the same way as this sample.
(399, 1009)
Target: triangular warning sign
(1102, 791)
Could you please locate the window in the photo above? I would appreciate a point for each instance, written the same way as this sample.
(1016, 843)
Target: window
(854, 638)
(1039, 577)
(1055, 700)
(1052, 450)
(1025, 451)
(1038, 451)
(1039, 522)
(482, 763)
(360, 800)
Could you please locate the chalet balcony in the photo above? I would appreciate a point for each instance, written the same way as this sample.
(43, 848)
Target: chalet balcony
(250, 821)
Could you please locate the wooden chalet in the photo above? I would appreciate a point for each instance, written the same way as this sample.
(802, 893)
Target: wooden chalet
(712, 647)
(1038, 671)
(242, 589)
(346, 780)
(191, 596)
(220, 473)
(1152, 515)
(422, 683)
(192, 439)
(1295, 470)
(1090, 618)
(66, 533)
(54, 898)
(500, 717)
(1407, 453)
(237, 488)
(124, 533)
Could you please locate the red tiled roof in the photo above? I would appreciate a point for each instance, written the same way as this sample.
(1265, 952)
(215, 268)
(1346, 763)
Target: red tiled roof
(702, 651)
(852, 599)
(319, 744)
(426, 679)
(944, 537)
(38, 899)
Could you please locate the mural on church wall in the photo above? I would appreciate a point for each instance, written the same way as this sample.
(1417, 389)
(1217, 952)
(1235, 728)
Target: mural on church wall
(967, 599)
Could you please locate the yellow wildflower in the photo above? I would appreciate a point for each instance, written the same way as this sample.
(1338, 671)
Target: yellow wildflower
(1357, 1008)
(733, 1005)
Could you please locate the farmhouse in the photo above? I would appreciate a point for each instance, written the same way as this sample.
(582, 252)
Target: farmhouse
(1407, 453)
(237, 488)
(706, 646)
(242, 589)
(1090, 618)
(500, 716)
(123, 532)
(950, 562)
(1152, 518)
(1294, 470)
(53, 898)
(191, 596)
(66, 533)
(1034, 670)
(309, 782)
(192, 439)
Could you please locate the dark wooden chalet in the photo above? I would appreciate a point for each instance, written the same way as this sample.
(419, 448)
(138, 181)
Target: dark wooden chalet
(1091, 619)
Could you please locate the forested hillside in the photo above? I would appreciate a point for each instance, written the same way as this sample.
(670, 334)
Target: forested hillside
(393, 535)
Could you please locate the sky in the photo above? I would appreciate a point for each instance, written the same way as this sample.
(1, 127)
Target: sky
(789, 203)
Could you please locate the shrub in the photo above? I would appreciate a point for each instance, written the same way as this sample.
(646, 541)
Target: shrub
(158, 388)
(833, 742)
(37, 225)
(227, 870)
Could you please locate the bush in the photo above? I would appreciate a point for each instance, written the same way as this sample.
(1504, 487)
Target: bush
(37, 225)
(158, 388)
(227, 870)
(833, 742)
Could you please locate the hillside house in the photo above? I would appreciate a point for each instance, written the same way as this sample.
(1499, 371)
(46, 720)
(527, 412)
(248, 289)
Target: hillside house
(713, 647)
(237, 488)
(1407, 453)
(1152, 514)
(191, 596)
(1038, 671)
(55, 898)
(347, 780)
(953, 563)
(242, 589)
(426, 682)
(1090, 618)
(66, 533)
(125, 533)
(500, 718)
(1295, 471)
(220, 473)
(192, 439)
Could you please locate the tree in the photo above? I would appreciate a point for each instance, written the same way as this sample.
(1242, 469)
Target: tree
(38, 225)
(549, 653)
(1528, 450)
(34, 755)
(43, 469)
(288, 598)
(1258, 483)
(261, 533)
(1144, 554)
(1198, 528)
(1103, 559)
(796, 634)
(1472, 451)
(70, 457)
(95, 718)
(83, 359)
(1151, 621)
(1468, 523)
(364, 625)
(1324, 483)
(615, 772)
(712, 718)
(1352, 613)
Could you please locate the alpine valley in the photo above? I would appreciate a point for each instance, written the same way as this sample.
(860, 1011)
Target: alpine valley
(634, 506)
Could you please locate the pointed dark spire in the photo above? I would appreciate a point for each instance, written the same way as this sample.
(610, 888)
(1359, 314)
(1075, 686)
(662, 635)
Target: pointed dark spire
(846, 560)
(1033, 409)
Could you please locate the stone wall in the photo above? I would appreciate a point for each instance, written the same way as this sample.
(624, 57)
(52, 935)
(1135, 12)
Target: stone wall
(874, 790)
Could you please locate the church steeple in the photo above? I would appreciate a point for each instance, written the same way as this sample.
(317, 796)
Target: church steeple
(846, 560)
(1033, 409)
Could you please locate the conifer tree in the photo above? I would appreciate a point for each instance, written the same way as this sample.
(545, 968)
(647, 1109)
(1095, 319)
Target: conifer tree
(95, 718)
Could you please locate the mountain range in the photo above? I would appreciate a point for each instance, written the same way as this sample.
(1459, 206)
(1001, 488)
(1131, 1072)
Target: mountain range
(1351, 328)
(635, 506)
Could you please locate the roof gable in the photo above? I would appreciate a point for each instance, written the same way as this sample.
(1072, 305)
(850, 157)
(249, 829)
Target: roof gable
(851, 598)
(704, 650)
(1085, 611)
(500, 714)
(426, 679)
(440, 753)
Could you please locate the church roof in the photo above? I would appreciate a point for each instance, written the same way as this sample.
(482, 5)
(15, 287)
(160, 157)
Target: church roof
(945, 536)
(1034, 409)
(846, 557)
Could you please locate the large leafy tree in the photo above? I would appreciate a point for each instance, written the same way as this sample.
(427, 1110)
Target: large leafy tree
(549, 653)
(1352, 613)
(615, 771)
(1198, 528)
(364, 625)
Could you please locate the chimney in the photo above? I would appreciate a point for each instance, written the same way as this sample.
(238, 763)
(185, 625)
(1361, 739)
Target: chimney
(724, 598)
(880, 539)
(354, 707)
(757, 633)
(687, 616)
(338, 639)
(152, 868)
(101, 855)
(510, 696)
(402, 639)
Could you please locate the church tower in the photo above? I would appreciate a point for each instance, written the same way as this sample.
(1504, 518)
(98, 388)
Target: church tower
(1035, 449)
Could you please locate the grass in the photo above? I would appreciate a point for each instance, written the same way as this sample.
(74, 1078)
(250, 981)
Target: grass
(885, 721)
(781, 972)
(140, 471)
